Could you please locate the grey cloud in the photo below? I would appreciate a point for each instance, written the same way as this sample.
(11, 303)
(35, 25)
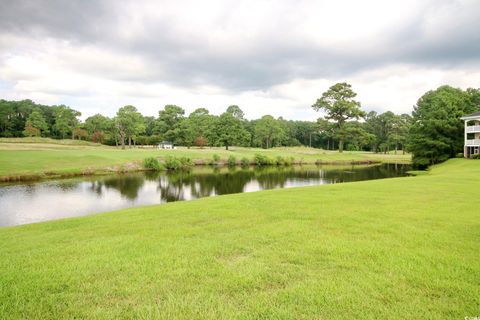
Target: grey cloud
(82, 20)
(273, 58)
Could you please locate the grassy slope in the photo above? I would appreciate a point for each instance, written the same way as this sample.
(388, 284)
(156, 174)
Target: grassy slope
(37, 158)
(37, 140)
(404, 248)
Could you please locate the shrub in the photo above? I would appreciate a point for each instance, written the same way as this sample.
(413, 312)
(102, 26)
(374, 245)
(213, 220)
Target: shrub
(173, 163)
(475, 156)
(186, 162)
(245, 162)
(279, 161)
(351, 147)
(215, 159)
(79, 133)
(98, 136)
(31, 131)
(200, 142)
(288, 161)
(262, 160)
(232, 161)
(459, 155)
(152, 164)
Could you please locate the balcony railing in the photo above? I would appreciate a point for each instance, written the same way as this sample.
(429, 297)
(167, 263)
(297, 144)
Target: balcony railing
(472, 129)
(472, 142)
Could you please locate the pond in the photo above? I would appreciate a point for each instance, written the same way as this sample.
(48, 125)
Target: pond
(56, 199)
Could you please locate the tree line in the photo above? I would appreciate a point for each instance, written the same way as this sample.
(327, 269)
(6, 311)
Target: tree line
(433, 132)
(379, 132)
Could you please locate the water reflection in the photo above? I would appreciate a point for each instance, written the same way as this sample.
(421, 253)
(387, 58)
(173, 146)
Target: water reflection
(27, 203)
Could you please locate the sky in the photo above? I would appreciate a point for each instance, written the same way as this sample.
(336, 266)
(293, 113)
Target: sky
(268, 57)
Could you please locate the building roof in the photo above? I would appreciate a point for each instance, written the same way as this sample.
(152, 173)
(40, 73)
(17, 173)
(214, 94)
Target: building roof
(471, 116)
(165, 142)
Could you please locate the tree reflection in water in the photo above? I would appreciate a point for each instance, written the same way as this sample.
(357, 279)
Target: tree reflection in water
(33, 202)
(191, 184)
(128, 185)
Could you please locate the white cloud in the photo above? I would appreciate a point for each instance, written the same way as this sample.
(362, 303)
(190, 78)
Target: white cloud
(269, 57)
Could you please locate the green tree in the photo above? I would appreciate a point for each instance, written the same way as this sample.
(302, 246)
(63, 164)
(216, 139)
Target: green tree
(373, 126)
(327, 131)
(168, 123)
(97, 126)
(236, 112)
(7, 114)
(399, 132)
(386, 122)
(474, 96)
(268, 131)
(230, 130)
(18, 119)
(388, 130)
(291, 131)
(97, 123)
(37, 120)
(437, 132)
(14, 116)
(128, 123)
(31, 131)
(66, 119)
(149, 125)
(198, 125)
(357, 136)
(340, 106)
(306, 132)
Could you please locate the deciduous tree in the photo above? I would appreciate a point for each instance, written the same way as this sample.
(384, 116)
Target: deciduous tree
(168, 122)
(96, 123)
(198, 124)
(230, 130)
(128, 123)
(31, 131)
(80, 133)
(66, 119)
(268, 131)
(37, 120)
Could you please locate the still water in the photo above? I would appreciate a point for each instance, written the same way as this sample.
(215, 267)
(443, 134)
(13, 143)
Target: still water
(49, 200)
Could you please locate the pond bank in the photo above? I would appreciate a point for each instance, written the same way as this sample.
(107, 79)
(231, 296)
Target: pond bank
(137, 167)
(34, 161)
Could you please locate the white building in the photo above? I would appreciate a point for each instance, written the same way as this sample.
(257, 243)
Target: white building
(165, 145)
(472, 134)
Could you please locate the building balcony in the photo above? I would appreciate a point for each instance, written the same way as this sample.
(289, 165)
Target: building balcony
(470, 129)
(472, 143)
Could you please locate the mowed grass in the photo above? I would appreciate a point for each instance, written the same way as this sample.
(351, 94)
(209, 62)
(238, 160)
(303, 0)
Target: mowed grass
(39, 156)
(403, 248)
(49, 141)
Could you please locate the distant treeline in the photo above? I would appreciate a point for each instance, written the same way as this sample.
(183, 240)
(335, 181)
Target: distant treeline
(379, 132)
(433, 133)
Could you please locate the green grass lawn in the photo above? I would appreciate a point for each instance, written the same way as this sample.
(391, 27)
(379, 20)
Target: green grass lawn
(39, 156)
(403, 248)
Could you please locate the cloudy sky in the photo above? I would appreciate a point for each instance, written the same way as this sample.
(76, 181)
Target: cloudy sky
(268, 57)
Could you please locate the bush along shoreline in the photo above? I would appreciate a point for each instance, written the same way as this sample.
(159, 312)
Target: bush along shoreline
(173, 163)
